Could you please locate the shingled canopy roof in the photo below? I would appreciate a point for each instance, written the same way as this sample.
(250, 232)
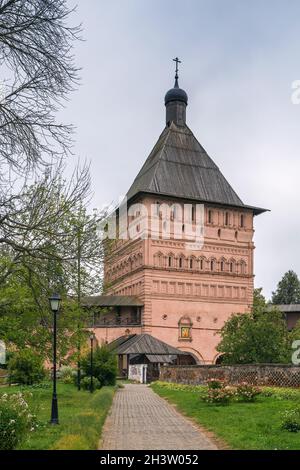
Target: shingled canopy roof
(143, 344)
(179, 166)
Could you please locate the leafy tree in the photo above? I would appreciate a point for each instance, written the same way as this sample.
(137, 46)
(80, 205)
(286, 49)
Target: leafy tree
(104, 365)
(26, 367)
(288, 290)
(259, 299)
(260, 336)
(295, 333)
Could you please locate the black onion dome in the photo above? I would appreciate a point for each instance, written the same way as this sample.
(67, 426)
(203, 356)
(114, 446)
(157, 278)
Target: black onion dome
(176, 94)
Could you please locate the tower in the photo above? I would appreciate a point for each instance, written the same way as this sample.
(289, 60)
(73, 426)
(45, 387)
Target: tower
(187, 290)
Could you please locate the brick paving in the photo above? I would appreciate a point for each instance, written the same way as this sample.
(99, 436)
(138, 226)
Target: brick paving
(141, 420)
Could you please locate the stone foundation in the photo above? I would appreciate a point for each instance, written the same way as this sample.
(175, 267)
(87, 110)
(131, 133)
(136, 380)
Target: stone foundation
(279, 375)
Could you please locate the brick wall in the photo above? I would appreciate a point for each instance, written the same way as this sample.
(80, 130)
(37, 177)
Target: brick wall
(256, 374)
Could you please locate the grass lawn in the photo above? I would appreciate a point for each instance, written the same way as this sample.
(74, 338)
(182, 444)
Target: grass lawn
(81, 416)
(241, 425)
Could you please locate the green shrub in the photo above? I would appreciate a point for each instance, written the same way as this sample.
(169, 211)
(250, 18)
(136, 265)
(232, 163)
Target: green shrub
(219, 396)
(26, 367)
(37, 386)
(291, 420)
(86, 383)
(16, 421)
(215, 383)
(247, 392)
(104, 366)
(67, 374)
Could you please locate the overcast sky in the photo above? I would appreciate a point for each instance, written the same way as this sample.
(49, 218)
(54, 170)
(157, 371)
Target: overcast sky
(239, 60)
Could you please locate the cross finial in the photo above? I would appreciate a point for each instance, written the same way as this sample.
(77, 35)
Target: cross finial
(176, 70)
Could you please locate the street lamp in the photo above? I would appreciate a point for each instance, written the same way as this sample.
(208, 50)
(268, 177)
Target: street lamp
(54, 304)
(92, 337)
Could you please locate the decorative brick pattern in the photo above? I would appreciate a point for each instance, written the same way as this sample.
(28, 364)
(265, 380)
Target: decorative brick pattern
(256, 374)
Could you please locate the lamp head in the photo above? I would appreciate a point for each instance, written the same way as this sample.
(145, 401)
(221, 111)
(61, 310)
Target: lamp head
(55, 300)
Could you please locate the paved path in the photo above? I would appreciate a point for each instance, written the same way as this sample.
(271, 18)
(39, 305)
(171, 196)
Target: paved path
(140, 419)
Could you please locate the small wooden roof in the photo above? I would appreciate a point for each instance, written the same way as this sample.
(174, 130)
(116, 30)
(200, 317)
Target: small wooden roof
(288, 308)
(143, 344)
(111, 301)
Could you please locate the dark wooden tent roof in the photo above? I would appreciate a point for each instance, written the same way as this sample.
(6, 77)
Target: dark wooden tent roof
(143, 344)
(179, 166)
(111, 301)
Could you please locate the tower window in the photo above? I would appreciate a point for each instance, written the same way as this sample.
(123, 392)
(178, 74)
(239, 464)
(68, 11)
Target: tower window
(157, 205)
(242, 221)
(191, 264)
(212, 265)
(180, 262)
(226, 218)
(170, 261)
(201, 264)
(210, 218)
(193, 213)
(231, 267)
(222, 266)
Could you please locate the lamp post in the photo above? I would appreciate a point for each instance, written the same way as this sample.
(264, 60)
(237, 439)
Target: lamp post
(54, 304)
(92, 337)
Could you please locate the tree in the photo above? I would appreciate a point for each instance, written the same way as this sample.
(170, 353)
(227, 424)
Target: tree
(38, 207)
(36, 54)
(26, 367)
(104, 365)
(288, 290)
(259, 299)
(53, 264)
(260, 336)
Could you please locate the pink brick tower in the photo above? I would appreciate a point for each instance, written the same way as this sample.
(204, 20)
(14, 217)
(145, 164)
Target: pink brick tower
(186, 292)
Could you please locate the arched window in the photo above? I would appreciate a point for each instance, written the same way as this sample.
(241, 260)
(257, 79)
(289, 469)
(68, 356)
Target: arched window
(181, 262)
(220, 359)
(170, 261)
(243, 267)
(222, 266)
(191, 263)
(201, 264)
(231, 266)
(212, 265)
